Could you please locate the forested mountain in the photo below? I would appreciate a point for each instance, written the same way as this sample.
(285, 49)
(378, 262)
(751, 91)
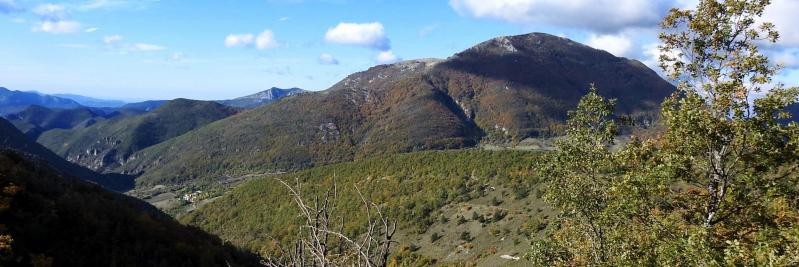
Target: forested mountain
(51, 219)
(508, 88)
(11, 138)
(15, 101)
(261, 98)
(108, 144)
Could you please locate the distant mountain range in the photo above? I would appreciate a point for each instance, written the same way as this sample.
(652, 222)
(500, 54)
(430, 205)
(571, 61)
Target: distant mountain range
(92, 102)
(507, 88)
(15, 101)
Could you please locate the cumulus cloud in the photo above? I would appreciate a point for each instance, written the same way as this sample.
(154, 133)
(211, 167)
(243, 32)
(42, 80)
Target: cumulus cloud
(328, 59)
(787, 57)
(57, 27)
(619, 45)
(386, 57)
(783, 14)
(50, 11)
(369, 35)
(239, 40)
(264, 40)
(597, 15)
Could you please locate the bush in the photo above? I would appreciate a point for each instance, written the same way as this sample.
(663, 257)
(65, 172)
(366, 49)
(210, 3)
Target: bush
(435, 237)
(466, 236)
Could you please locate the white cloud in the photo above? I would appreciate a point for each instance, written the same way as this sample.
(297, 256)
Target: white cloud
(619, 44)
(177, 57)
(284, 19)
(50, 11)
(360, 34)
(57, 27)
(147, 47)
(783, 14)
(112, 39)
(90, 30)
(266, 40)
(328, 59)
(386, 57)
(239, 40)
(597, 15)
(786, 57)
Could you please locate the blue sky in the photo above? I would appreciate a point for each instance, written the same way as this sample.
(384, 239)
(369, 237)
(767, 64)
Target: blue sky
(163, 49)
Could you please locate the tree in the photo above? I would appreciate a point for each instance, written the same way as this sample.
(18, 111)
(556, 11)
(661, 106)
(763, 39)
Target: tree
(723, 144)
(718, 187)
(580, 182)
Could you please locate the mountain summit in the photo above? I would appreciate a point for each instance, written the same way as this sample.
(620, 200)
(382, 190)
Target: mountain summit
(261, 98)
(507, 88)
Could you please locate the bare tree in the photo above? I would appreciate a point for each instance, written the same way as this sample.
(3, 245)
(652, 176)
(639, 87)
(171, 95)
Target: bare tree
(321, 240)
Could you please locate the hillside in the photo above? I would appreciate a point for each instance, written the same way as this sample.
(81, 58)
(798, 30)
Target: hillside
(508, 88)
(13, 139)
(49, 219)
(426, 192)
(15, 101)
(108, 144)
(261, 98)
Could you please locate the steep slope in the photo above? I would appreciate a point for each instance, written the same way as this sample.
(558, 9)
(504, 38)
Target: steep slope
(109, 143)
(47, 219)
(508, 88)
(13, 139)
(92, 102)
(15, 101)
(36, 119)
(261, 98)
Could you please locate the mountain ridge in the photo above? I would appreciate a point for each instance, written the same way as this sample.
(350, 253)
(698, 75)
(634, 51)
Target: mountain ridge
(261, 98)
(485, 93)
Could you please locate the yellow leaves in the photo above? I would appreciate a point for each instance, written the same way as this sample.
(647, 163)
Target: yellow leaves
(783, 214)
(7, 195)
(5, 244)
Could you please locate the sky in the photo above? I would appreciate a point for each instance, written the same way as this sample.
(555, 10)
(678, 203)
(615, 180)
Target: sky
(221, 49)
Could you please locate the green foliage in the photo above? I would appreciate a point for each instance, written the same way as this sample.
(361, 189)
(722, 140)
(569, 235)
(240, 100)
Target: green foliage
(466, 236)
(409, 186)
(718, 187)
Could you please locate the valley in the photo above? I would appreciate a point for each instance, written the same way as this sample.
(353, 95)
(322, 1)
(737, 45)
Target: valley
(527, 149)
